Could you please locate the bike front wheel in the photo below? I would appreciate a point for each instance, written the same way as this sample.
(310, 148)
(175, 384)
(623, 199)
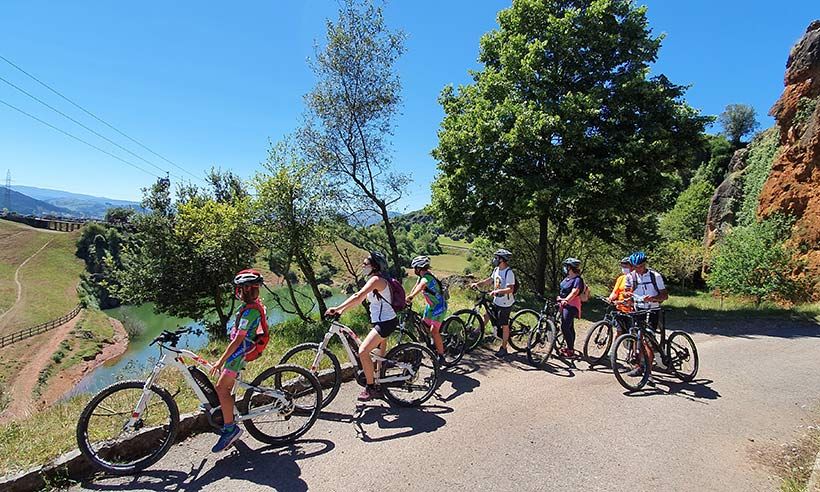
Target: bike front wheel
(282, 404)
(630, 362)
(105, 437)
(683, 355)
(598, 342)
(454, 337)
(541, 343)
(521, 325)
(474, 325)
(409, 376)
(328, 371)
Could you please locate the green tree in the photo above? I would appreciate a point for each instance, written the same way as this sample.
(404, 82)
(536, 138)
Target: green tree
(182, 255)
(762, 151)
(100, 248)
(738, 120)
(119, 215)
(351, 112)
(563, 125)
(716, 163)
(687, 219)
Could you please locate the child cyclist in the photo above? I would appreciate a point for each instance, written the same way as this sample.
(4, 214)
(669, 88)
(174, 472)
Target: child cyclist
(243, 336)
(436, 308)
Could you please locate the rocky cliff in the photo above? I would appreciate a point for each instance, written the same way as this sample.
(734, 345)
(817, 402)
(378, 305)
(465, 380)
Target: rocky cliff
(793, 186)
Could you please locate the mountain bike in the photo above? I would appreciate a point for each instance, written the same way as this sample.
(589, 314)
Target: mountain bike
(598, 341)
(130, 425)
(629, 358)
(474, 324)
(544, 337)
(407, 374)
(453, 335)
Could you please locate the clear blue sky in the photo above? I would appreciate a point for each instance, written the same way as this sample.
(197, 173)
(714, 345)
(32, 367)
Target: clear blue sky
(205, 83)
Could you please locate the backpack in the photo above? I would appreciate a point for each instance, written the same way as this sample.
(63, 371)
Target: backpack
(515, 285)
(262, 334)
(445, 292)
(651, 273)
(584, 294)
(398, 298)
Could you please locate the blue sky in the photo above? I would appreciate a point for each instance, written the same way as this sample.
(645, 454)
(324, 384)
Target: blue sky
(206, 84)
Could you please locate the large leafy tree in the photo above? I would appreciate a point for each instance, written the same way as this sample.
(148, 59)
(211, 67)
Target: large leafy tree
(564, 126)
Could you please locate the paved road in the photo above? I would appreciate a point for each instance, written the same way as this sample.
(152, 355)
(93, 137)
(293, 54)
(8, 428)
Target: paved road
(505, 426)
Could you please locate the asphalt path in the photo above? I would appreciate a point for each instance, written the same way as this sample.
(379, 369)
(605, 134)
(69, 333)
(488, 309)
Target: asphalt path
(502, 425)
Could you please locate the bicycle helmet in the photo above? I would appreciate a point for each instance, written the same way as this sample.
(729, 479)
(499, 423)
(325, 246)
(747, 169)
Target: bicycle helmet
(625, 261)
(247, 277)
(637, 258)
(503, 254)
(378, 262)
(573, 262)
(420, 262)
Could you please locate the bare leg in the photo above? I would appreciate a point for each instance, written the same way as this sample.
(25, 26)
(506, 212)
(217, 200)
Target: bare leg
(505, 336)
(435, 330)
(223, 390)
(371, 341)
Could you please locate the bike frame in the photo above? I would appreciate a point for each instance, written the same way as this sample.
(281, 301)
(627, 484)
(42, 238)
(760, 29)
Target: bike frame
(343, 332)
(175, 358)
(643, 328)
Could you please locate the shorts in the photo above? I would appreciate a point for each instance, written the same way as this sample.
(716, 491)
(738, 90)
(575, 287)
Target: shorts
(386, 328)
(502, 314)
(431, 314)
(236, 362)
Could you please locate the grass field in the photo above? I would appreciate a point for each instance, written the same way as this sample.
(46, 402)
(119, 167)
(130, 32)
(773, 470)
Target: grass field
(448, 264)
(17, 242)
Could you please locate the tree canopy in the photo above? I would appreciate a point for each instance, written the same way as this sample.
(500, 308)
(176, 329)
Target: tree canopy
(738, 121)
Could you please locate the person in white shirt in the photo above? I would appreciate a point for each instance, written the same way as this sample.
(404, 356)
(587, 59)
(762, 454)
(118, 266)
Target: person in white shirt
(649, 290)
(503, 281)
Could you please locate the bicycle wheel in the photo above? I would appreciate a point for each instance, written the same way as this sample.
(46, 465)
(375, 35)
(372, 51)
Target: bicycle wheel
(328, 372)
(454, 337)
(521, 325)
(541, 343)
(683, 355)
(410, 375)
(103, 434)
(630, 363)
(283, 404)
(598, 342)
(474, 324)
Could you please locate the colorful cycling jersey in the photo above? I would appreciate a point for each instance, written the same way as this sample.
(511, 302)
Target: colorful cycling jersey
(248, 321)
(433, 295)
(618, 292)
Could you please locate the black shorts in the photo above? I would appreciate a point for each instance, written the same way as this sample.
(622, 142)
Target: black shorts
(502, 314)
(385, 328)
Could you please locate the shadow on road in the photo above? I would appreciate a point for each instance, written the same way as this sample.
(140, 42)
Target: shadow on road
(460, 383)
(274, 467)
(696, 390)
(414, 420)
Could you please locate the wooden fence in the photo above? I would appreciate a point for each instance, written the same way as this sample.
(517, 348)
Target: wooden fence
(41, 328)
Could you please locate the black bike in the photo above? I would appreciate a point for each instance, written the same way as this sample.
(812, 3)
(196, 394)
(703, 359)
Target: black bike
(544, 336)
(413, 329)
(599, 339)
(474, 324)
(630, 359)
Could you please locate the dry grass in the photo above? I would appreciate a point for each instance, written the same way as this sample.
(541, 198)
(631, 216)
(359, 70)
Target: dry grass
(17, 242)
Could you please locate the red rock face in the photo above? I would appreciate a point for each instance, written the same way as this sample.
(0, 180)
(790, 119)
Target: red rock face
(793, 187)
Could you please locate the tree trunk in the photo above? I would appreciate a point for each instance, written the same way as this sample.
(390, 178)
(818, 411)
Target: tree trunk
(310, 276)
(541, 255)
(394, 246)
(297, 309)
(220, 331)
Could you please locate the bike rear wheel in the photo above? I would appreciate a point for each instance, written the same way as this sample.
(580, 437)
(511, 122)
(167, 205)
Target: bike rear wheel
(102, 435)
(289, 400)
(521, 325)
(413, 360)
(598, 342)
(454, 337)
(630, 362)
(683, 355)
(328, 372)
(541, 343)
(474, 326)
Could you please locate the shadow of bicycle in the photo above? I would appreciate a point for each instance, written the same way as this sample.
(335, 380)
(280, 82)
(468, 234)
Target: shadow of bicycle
(696, 390)
(378, 423)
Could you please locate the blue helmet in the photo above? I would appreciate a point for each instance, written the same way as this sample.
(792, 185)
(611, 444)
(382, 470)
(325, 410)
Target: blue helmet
(637, 258)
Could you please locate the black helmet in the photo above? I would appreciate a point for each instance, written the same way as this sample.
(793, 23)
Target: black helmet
(420, 262)
(503, 254)
(378, 261)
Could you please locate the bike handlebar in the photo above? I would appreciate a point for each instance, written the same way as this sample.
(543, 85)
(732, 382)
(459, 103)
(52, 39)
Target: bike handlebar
(172, 337)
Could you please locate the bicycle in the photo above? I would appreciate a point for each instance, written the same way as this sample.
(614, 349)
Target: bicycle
(598, 341)
(629, 358)
(453, 335)
(474, 324)
(130, 425)
(408, 368)
(544, 336)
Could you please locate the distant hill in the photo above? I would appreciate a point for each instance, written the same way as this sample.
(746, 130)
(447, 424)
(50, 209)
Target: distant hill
(26, 205)
(76, 204)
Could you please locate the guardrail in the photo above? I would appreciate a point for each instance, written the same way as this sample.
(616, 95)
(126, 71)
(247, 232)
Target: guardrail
(41, 328)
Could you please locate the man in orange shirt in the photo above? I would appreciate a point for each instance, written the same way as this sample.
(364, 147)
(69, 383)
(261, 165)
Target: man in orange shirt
(619, 291)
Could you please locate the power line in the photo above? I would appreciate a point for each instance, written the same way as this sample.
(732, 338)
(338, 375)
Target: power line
(109, 125)
(78, 139)
(81, 124)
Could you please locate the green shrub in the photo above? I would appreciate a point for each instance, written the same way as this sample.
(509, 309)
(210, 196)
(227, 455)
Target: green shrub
(680, 262)
(687, 219)
(762, 152)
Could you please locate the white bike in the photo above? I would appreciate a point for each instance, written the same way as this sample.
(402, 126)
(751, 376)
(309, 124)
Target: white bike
(130, 425)
(407, 374)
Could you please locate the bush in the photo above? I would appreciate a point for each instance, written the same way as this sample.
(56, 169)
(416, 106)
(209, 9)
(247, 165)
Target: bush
(325, 291)
(762, 152)
(687, 219)
(753, 261)
(680, 262)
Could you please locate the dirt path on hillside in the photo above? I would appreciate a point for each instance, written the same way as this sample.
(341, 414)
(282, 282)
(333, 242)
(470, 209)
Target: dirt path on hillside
(17, 280)
(22, 403)
(65, 381)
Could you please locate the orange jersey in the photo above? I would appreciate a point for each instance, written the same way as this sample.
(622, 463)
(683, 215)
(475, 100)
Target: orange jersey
(619, 291)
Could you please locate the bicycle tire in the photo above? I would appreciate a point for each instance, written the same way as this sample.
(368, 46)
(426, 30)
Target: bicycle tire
(333, 379)
(679, 347)
(625, 354)
(474, 324)
(299, 387)
(602, 346)
(99, 460)
(416, 354)
(541, 343)
(520, 328)
(454, 337)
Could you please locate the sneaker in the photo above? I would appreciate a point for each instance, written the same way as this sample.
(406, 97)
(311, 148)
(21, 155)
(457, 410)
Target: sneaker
(567, 353)
(502, 352)
(228, 437)
(441, 361)
(370, 393)
(638, 371)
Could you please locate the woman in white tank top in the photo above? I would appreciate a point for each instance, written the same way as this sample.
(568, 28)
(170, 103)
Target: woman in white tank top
(382, 316)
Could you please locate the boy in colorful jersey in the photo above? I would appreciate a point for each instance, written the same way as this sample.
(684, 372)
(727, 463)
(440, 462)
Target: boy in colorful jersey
(436, 308)
(242, 334)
